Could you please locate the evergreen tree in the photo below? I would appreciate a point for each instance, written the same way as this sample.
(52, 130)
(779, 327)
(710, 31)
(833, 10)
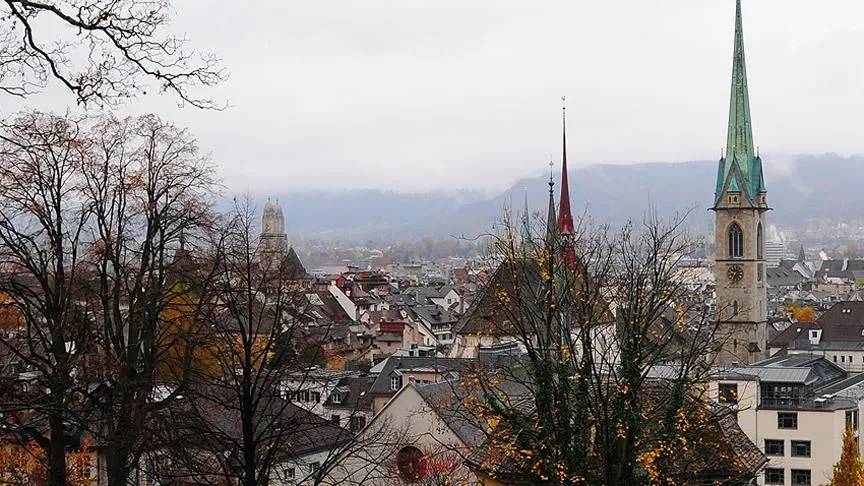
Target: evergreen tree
(849, 470)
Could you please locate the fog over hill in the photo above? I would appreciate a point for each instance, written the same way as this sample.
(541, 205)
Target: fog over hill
(799, 188)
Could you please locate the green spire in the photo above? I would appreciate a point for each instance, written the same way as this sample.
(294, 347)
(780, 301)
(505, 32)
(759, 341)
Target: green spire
(740, 140)
(741, 169)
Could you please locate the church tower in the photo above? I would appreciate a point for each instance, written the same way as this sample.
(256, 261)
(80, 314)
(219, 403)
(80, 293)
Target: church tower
(274, 241)
(740, 205)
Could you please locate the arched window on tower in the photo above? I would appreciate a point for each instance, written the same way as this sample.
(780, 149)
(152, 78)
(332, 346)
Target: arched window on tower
(760, 243)
(736, 241)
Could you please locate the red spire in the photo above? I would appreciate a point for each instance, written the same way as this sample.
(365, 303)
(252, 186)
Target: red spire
(565, 219)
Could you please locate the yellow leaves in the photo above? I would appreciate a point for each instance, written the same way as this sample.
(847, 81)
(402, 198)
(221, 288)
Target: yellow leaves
(492, 422)
(27, 464)
(849, 470)
(648, 460)
(802, 313)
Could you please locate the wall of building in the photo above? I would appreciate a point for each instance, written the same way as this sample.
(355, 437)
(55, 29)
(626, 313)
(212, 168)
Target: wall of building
(405, 421)
(823, 428)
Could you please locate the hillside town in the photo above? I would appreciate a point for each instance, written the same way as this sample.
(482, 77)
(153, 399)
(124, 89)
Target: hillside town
(150, 336)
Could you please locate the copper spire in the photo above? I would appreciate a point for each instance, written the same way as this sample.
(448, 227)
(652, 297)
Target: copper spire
(565, 218)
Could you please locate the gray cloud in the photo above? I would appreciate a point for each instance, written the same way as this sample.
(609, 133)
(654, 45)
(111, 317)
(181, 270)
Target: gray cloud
(415, 95)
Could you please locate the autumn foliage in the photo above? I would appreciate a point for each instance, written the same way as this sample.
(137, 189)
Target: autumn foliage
(802, 313)
(27, 465)
(849, 470)
(184, 343)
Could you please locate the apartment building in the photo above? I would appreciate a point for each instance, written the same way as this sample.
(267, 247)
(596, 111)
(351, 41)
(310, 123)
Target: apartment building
(795, 408)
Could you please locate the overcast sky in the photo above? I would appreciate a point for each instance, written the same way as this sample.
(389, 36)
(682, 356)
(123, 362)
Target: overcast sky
(415, 95)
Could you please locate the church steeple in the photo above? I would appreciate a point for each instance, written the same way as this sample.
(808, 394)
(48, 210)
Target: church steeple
(740, 171)
(526, 222)
(565, 218)
(551, 219)
(740, 207)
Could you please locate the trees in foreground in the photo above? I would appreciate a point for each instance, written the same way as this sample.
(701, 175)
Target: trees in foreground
(848, 471)
(610, 385)
(92, 211)
(234, 420)
(102, 51)
(136, 316)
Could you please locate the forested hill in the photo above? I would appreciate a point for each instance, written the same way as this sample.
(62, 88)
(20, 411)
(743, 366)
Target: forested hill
(800, 188)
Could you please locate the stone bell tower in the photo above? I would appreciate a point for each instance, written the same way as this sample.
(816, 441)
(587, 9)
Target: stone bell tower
(740, 205)
(273, 242)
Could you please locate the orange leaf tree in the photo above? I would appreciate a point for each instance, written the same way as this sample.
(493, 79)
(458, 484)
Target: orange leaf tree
(802, 313)
(22, 465)
(848, 471)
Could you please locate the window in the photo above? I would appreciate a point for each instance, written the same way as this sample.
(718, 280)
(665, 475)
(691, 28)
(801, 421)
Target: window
(395, 382)
(411, 463)
(314, 466)
(800, 448)
(736, 241)
(842, 359)
(759, 243)
(728, 393)
(337, 397)
(780, 395)
(800, 477)
(289, 473)
(774, 447)
(852, 419)
(357, 423)
(787, 420)
(774, 476)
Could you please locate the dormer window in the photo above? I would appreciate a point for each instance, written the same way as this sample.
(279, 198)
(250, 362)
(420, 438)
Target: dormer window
(395, 382)
(815, 336)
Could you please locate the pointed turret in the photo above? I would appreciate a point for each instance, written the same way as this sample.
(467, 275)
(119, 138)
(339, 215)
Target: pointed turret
(740, 171)
(565, 218)
(551, 219)
(526, 222)
(801, 256)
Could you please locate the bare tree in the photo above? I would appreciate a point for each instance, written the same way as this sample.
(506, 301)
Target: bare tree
(43, 218)
(148, 187)
(95, 216)
(236, 421)
(610, 385)
(101, 50)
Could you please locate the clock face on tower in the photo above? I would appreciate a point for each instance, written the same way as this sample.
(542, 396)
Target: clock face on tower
(735, 273)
